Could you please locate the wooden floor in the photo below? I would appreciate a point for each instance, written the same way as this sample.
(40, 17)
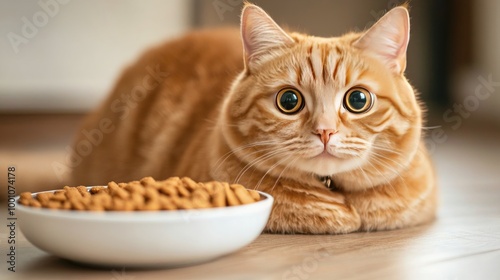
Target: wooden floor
(463, 243)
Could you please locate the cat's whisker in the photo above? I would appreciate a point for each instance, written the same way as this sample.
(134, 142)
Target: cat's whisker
(271, 168)
(259, 160)
(431, 127)
(382, 157)
(366, 175)
(387, 181)
(283, 171)
(224, 157)
(388, 167)
(251, 164)
(385, 149)
(284, 147)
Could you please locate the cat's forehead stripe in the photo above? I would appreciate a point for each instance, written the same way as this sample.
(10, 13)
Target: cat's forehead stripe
(310, 62)
(327, 63)
(298, 73)
(339, 62)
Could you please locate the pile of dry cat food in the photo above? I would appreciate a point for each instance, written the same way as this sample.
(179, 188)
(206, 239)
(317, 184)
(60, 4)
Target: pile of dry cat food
(147, 194)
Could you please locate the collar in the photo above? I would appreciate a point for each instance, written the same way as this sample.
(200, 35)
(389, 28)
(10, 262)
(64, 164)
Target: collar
(327, 181)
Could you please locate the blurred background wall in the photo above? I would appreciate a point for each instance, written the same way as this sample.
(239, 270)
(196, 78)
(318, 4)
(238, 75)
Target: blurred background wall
(59, 59)
(63, 56)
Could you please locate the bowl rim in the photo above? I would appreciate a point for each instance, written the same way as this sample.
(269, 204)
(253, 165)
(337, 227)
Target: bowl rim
(146, 216)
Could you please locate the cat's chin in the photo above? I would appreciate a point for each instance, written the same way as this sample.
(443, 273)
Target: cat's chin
(326, 164)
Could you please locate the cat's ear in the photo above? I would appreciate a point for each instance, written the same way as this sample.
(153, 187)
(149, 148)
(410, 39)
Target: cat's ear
(260, 34)
(388, 39)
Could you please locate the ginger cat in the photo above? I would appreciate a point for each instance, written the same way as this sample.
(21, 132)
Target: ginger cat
(328, 126)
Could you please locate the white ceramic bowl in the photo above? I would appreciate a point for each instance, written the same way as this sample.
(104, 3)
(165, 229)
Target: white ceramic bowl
(144, 238)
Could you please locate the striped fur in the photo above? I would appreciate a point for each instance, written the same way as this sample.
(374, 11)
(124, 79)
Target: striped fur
(208, 122)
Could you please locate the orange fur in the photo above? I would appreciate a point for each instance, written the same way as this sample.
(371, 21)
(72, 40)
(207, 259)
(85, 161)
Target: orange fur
(211, 115)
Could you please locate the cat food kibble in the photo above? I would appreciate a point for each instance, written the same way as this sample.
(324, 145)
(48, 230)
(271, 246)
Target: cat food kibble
(147, 194)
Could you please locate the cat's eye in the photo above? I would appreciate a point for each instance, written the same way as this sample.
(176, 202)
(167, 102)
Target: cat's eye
(358, 100)
(289, 101)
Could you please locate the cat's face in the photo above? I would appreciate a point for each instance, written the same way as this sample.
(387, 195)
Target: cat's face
(330, 107)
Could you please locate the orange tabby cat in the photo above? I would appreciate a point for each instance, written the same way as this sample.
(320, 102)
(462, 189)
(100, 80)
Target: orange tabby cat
(329, 126)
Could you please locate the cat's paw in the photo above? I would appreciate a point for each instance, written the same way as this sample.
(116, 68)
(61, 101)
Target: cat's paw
(313, 217)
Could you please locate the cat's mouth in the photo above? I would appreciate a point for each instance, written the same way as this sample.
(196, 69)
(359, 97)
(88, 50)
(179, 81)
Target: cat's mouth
(326, 162)
(325, 154)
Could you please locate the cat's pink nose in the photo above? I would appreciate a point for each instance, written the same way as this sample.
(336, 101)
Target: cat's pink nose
(325, 134)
